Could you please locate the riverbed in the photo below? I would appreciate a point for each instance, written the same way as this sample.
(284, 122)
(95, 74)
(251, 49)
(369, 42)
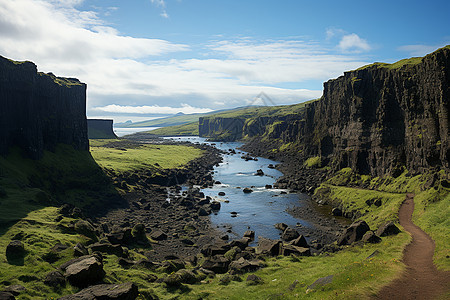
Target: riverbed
(259, 210)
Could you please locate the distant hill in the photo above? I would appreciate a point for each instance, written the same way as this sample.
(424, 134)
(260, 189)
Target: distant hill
(177, 119)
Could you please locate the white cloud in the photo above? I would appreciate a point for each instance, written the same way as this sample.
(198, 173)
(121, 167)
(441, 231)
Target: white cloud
(126, 73)
(162, 5)
(353, 43)
(153, 109)
(418, 50)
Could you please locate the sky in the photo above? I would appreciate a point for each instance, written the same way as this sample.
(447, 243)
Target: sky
(147, 58)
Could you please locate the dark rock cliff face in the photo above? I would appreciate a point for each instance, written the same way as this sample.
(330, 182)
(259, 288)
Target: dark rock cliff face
(100, 129)
(38, 111)
(376, 119)
(381, 117)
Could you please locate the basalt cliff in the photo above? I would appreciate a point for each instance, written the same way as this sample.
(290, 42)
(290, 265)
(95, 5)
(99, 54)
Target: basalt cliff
(377, 120)
(38, 110)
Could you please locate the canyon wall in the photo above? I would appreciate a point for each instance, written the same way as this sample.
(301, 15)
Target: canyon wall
(100, 129)
(376, 119)
(38, 110)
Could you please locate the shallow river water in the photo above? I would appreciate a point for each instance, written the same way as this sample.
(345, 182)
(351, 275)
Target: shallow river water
(259, 210)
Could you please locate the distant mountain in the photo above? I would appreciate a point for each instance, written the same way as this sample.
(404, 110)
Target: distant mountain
(177, 119)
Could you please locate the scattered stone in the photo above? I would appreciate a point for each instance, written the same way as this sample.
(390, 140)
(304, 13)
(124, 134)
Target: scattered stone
(252, 279)
(215, 205)
(55, 279)
(138, 232)
(249, 234)
(259, 173)
(337, 212)
(388, 228)
(267, 246)
(217, 264)
(378, 203)
(126, 263)
(15, 250)
(268, 186)
(243, 266)
(221, 194)
(85, 228)
(107, 248)
(80, 250)
(353, 233)
(83, 271)
(270, 166)
(300, 242)
(371, 237)
(122, 236)
(202, 212)
(124, 291)
(247, 190)
(15, 289)
(294, 250)
(290, 234)
(158, 235)
(320, 282)
(281, 226)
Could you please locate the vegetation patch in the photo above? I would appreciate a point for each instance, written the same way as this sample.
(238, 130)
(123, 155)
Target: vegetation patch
(141, 156)
(313, 162)
(189, 129)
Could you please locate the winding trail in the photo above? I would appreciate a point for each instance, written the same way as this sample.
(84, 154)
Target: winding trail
(421, 279)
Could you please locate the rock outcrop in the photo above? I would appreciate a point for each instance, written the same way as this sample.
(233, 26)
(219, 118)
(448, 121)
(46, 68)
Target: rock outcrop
(40, 110)
(100, 129)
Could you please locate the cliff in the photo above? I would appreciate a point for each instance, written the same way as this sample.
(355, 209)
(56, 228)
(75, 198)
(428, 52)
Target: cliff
(40, 110)
(384, 116)
(376, 119)
(100, 129)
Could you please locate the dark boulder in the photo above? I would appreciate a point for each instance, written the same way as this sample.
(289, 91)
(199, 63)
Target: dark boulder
(158, 235)
(6, 296)
(300, 242)
(124, 291)
(243, 266)
(215, 205)
(294, 250)
(85, 228)
(247, 190)
(259, 173)
(353, 233)
(83, 271)
(336, 212)
(252, 279)
(371, 237)
(15, 250)
(388, 228)
(80, 250)
(15, 289)
(107, 248)
(249, 234)
(217, 264)
(55, 279)
(290, 234)
(122, 236)
(221, 194)
(267, 246)
(281, 226)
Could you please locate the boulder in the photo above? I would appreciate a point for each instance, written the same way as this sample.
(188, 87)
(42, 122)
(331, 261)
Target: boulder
(353, 233)
(80, 250)
(388, 228)
(124, 291)
(85, 228)
(122, 237)
(221, 194)
(215, 205)
(218, 248)
(107, 248)
(243, 266)
(252, 279)
(249, 234)
(281, 226)
(371, 237)
(289, 234)
(217, 264)
(202, 212)
(241, 243)
(158, 235)
(15, 250)
(83, 271)
(247, 190)
(138, 232)
(54, 279)
(259, 173)
(294, 250)
(267, 246)
(336, 212)
(300, 242)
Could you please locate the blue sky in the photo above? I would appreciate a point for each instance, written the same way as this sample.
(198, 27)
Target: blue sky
(146, 58)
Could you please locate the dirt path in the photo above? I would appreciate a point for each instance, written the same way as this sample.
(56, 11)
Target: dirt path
(421, 279)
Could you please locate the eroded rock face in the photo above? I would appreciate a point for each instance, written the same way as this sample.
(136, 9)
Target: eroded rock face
(353, 233)
(39, 110)
(83, 271)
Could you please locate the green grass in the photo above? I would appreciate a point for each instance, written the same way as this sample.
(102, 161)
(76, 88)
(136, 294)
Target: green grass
(144, 156)
(313, 162)
(190, 129)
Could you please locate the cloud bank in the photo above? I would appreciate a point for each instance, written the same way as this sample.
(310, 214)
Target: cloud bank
(127, 74)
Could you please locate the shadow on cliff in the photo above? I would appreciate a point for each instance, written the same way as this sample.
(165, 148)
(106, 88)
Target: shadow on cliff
(63, 176)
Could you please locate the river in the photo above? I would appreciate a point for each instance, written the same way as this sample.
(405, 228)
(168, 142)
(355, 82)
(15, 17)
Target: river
(259, 210)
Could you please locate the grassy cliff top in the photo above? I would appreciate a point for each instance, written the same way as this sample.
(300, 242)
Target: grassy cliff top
(407, 62)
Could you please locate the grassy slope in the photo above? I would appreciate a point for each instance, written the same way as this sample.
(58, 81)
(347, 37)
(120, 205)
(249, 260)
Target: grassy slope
(178, 130)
